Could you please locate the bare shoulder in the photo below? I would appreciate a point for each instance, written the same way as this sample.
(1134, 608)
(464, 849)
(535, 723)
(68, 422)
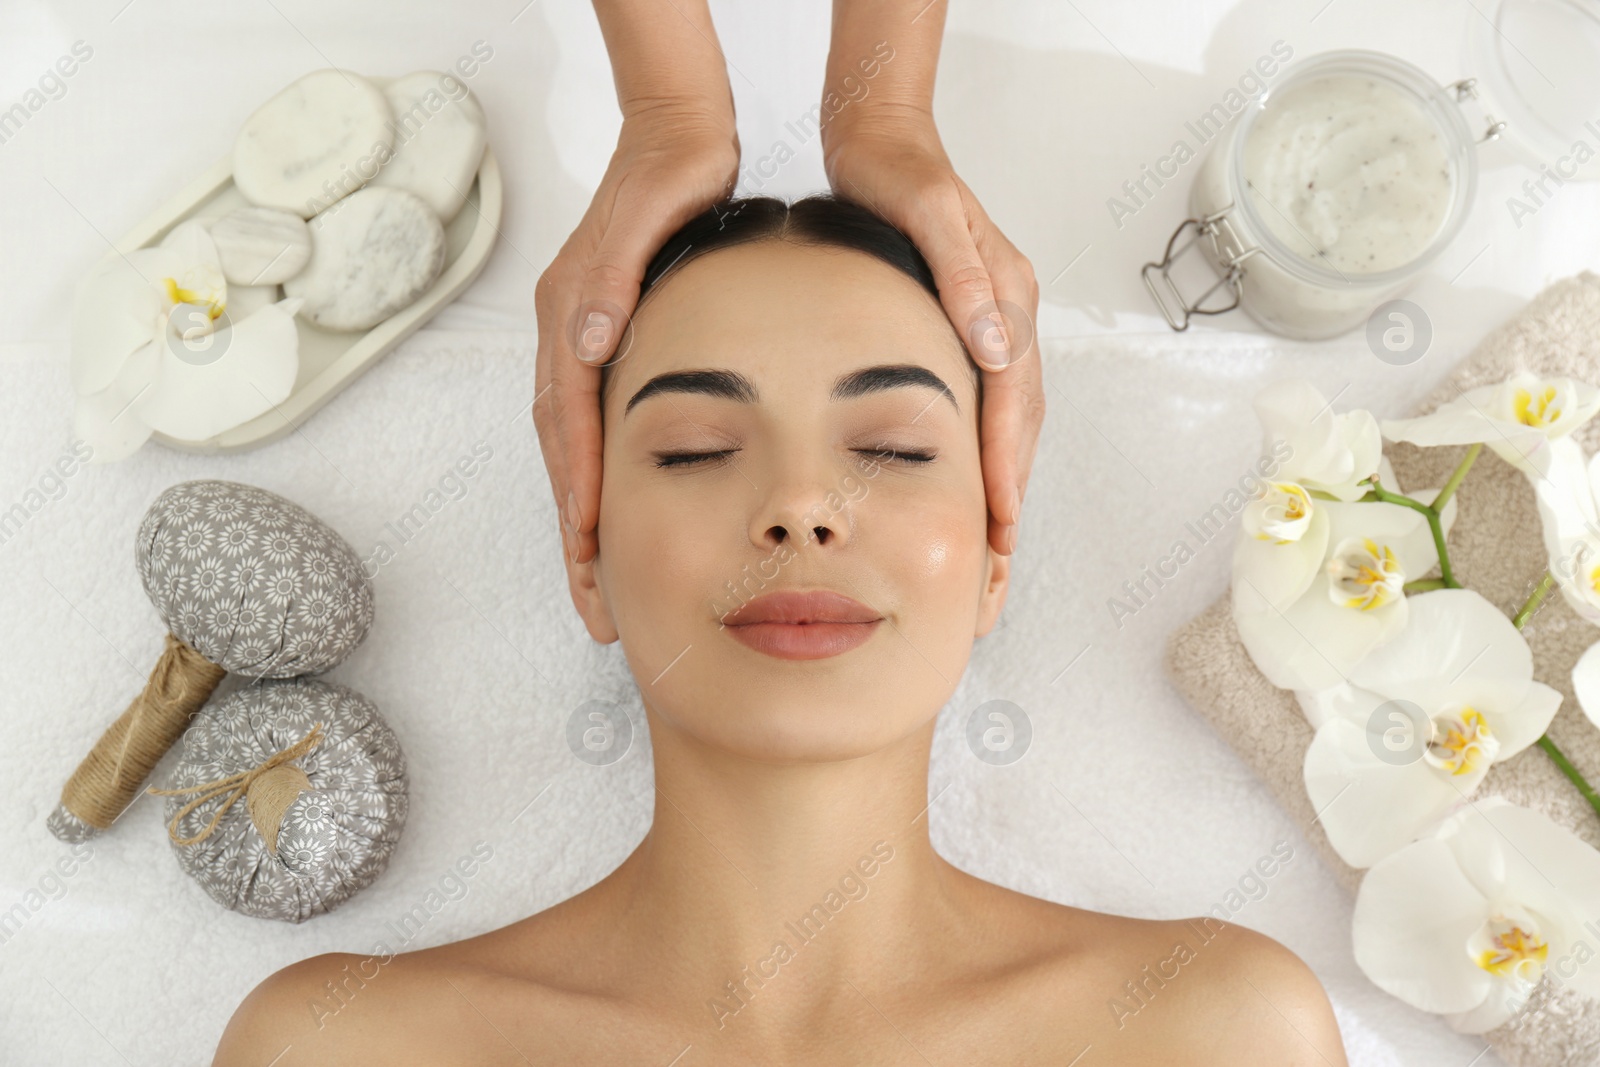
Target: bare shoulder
(1204, 991)
(1180, 991)
(278, 1015)
(338, 1007)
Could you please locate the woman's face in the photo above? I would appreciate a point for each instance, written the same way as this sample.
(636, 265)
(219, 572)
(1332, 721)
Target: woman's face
(754, 477)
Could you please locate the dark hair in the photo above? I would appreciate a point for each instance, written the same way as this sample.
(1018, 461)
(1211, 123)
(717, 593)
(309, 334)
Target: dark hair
(818, 219)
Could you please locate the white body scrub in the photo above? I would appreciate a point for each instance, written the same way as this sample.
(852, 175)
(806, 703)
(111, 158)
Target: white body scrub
(1334, 191)
(1350, 171)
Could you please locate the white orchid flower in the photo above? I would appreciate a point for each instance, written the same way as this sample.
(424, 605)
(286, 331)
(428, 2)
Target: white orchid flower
(154, 347)
(1465, 922)
(1329, 452)
(1416, 727)
(1280, 514)
(1518, 418)
(1569, 513)
(1309, 607)
(1586, 682)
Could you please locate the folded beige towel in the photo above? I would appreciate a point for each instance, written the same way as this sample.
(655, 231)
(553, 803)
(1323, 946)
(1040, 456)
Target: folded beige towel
(1497, 549)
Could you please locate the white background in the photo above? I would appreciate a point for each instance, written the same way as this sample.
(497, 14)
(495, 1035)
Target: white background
(1126, 802)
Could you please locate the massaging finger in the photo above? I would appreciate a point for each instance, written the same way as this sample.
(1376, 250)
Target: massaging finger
(622, 229)
(574, 400)
(565, 386)
(1014, 400)
(1018, 388)
(1013, 409)
(581, 440)
(942, 232)
(608, 288)
(648, 207)
(1001, 285)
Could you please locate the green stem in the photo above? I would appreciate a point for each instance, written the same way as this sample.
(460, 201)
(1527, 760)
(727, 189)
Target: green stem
(1557, 757)
(1380, 493)
(1423, 585)
(1459, 473)
(1547, 583)
(1572, 773)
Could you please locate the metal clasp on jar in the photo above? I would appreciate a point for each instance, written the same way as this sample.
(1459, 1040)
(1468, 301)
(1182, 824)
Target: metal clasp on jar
(1230, 254)
(1467, 89)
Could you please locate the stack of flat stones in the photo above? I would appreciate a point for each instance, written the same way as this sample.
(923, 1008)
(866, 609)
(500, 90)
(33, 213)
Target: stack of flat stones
(350, 187)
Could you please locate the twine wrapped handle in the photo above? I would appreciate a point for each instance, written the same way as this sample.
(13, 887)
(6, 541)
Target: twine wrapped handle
(269, 788)
(109, 777)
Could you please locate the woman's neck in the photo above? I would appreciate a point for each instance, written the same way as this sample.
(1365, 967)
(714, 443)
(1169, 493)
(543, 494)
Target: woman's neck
(763, 888)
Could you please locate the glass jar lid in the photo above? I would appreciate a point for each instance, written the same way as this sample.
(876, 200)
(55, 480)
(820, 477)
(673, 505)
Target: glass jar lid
(1537, 65)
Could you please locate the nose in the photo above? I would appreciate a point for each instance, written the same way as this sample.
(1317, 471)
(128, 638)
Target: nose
(802, 506)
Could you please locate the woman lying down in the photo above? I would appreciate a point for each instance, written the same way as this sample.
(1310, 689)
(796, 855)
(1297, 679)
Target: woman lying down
(794, 418)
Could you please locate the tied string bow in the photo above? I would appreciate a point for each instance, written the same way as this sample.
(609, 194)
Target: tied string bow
(238, 784)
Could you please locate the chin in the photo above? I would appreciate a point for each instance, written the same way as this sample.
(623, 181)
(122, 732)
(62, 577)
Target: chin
(790, 721)
(756, 706)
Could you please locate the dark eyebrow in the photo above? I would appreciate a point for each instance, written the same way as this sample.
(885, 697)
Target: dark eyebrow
(732, 385)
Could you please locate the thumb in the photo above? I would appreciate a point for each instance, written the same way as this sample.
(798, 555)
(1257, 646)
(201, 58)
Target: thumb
(609, 292)
(966, 289)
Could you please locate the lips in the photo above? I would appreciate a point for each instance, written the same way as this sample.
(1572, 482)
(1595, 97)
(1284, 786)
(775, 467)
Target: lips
(799, 626)
(820, 605)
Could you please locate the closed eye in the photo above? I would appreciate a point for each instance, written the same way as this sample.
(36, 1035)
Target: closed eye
(688, 459)
(909, 456)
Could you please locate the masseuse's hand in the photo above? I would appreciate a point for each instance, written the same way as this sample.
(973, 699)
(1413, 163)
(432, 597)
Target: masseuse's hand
(895, 164)
(880, 148)
(677, 154)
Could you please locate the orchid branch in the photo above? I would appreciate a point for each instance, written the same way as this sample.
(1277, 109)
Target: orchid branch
(1454, 481)
(1424, 585)
(1432, 513)
(1435, 526)
(1573, 774)
(1557, 757)
(1547, 583)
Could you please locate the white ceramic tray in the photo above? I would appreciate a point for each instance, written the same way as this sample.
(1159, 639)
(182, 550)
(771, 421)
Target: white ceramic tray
(331, 360)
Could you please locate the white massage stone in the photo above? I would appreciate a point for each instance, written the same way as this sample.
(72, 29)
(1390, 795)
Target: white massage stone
(439, 133)
(261, 245)
(372, 253)
(319, 139)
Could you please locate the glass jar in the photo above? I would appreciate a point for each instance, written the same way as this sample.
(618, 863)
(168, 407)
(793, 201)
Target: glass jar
(1398, 169)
